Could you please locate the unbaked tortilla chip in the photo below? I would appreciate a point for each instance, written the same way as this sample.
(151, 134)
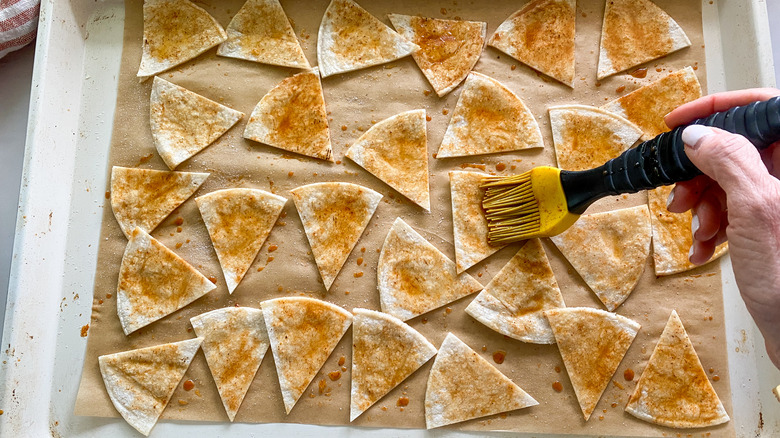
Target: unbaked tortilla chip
(448, 48)
(634, 32)
(609, 251)
(334, 216)
(463, 385)
(234, 342)
(514, 301)
(488, 118)
(141, 382)
(541, 35)
(350, 38)
(385, 351)
(292, 116)
(261, 32)
(674, 390)
(395, 150)
(175, 31)
(303, 332)
(414, 277)
(592, 343)
(238, 222)
(586, 137)
(144, 197)
(183, 122)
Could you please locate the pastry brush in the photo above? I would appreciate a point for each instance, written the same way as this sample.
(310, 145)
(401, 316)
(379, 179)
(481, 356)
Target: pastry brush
(545, 201)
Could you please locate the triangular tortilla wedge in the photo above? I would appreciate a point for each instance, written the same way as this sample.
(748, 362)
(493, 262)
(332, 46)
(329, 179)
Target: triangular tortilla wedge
(334, 216)
(674, 390)
(350, 38)
(672, 236)
(303, 332)
(183, 122)
(634, 32)
(592, 343)
(261, 32)
(463, 385)
(385, 351)
(586, 137)
(144, 197)
(141, 382)
(175, 31)
(395, 150)
(448, 48)
(414, 277)
(238, 222)
(234, 342)
(609, 251)
(292, 116)
(488, 118)
(514, 301)
(541, 35)
(647, 106)
(154, 282)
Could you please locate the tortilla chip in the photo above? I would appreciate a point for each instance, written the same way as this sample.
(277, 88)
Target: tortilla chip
(183, 123)
(489, 118)
(609, 251)
(234, 342)
(634, 32)
(141, 382)
(261, 32)
(592, 343)
(144, 197)
(385, 351)
(514, 301)
(586, 137)
(303, 332)
(672, 236)
(414, 277)
(468, 219)
(350, 38)
(238, 222)
(463, 385)
(175, 31)
(674, 390)
(291, 116)
(395, 150)
(334, 216)
(541, 35)
(448, 48)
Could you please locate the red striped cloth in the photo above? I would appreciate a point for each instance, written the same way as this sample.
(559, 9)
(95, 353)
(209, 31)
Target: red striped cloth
(18, 24)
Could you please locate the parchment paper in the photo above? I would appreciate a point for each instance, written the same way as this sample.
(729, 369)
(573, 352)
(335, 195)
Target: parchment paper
(355, 101)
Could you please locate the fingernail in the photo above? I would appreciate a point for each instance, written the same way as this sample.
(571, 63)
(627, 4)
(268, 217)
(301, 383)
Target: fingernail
(670, 199)
(694, 224)
(690, 254)
(694, 133)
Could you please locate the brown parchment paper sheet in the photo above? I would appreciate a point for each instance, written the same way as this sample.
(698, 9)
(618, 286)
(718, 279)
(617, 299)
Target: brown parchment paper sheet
(354, 102)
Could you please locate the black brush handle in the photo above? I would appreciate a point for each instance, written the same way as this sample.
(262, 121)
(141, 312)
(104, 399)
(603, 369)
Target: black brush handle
(662, 160)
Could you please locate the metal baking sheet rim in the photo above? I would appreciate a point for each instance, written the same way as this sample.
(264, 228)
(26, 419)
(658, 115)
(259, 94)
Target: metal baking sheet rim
(68, 128)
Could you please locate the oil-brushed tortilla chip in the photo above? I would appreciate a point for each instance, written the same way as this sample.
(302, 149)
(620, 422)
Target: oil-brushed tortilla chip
(291, 116)
(234, 342)
(144, 197)
(414, 277)
(592, 343)
(463, 385)
(674, 390)
(261, 32)
(183, 122)
(141, 382)
(175, 31)
(489, 118)
(448, 48)
(541, 35)
(303, 332)
(385, 351)
(395, 150)
(350, 38)
(334, 216)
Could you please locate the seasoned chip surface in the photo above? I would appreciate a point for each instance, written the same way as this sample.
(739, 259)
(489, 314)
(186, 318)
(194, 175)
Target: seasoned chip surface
(468, 221)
